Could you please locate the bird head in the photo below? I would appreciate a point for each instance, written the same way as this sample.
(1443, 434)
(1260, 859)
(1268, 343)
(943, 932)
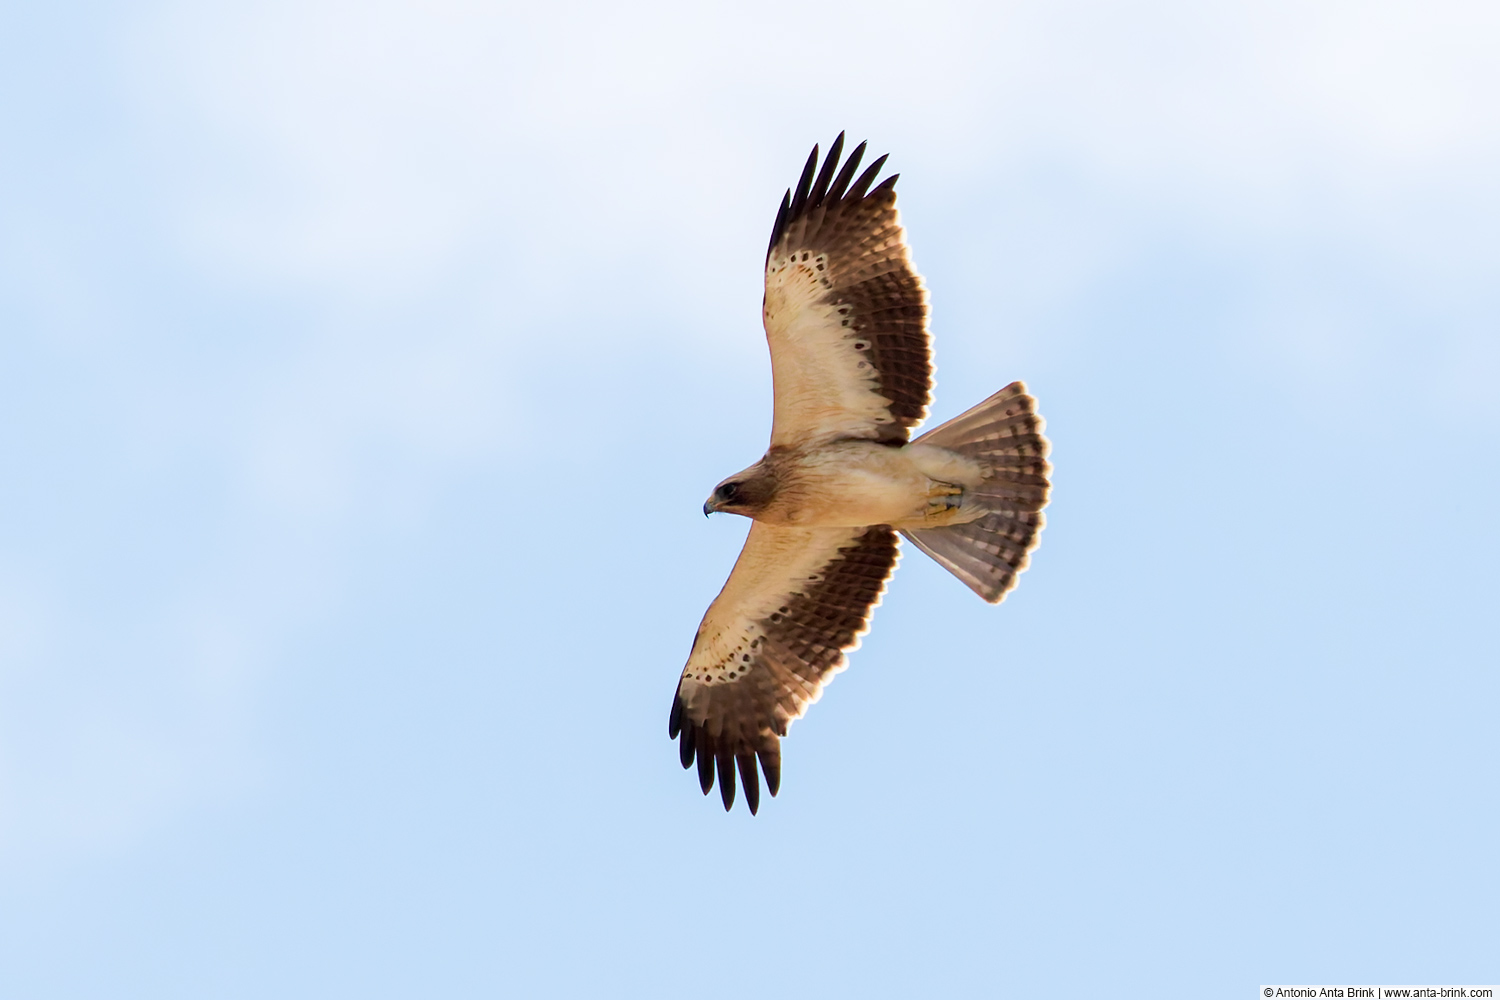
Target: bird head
(744, 493)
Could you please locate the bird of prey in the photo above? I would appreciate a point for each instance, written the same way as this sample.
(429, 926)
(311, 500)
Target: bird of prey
(846, 319)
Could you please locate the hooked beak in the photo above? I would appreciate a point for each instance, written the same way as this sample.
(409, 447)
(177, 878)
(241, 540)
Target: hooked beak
(709, 506)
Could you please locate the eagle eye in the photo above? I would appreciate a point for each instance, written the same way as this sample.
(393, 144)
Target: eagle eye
(729, 491)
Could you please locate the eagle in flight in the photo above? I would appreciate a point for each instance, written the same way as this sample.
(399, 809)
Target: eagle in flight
(846, 318)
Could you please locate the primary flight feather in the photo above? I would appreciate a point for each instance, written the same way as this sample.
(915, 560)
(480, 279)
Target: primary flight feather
(846, 320)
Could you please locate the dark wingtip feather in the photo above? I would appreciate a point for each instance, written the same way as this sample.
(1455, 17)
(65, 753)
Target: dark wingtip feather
(780, 227)
(867, 178)
(841, 183)
(885, 185)
(804, 184)
(705, 764)
(685, 748)
(827, 188)
(820, 186)
(674, 721)
(750, 780)
(726, 778)
(770, 762)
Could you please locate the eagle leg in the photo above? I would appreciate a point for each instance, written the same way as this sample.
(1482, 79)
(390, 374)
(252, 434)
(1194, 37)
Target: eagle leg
(941, 499)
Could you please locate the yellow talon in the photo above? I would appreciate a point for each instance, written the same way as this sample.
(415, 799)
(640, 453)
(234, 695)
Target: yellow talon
(941, 499)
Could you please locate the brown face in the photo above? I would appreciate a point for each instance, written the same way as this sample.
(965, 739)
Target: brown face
(745, 494)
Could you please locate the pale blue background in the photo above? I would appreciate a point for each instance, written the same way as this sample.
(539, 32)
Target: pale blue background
(363, 368)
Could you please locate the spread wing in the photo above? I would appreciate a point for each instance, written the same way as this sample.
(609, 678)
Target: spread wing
(798, 598)
(845, 312)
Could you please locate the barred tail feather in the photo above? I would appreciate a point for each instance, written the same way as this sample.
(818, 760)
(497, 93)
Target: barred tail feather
(1004, 433)
(987, 554)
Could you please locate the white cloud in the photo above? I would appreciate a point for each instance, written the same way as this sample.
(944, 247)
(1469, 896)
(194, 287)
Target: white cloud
(624, 159)
(392, 137)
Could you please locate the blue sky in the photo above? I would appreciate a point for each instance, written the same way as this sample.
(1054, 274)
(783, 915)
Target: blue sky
(363, 368)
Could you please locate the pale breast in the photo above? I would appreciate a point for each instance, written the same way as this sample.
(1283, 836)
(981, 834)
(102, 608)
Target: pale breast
(848, 484)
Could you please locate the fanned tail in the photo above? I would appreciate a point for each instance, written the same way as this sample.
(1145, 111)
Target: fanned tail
(1004, 433)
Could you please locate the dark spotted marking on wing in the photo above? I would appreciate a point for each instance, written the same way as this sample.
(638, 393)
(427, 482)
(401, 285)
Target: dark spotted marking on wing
(852, 237)
(794, 649)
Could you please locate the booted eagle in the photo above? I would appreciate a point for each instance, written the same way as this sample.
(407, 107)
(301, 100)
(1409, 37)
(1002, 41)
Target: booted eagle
(846, 318)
